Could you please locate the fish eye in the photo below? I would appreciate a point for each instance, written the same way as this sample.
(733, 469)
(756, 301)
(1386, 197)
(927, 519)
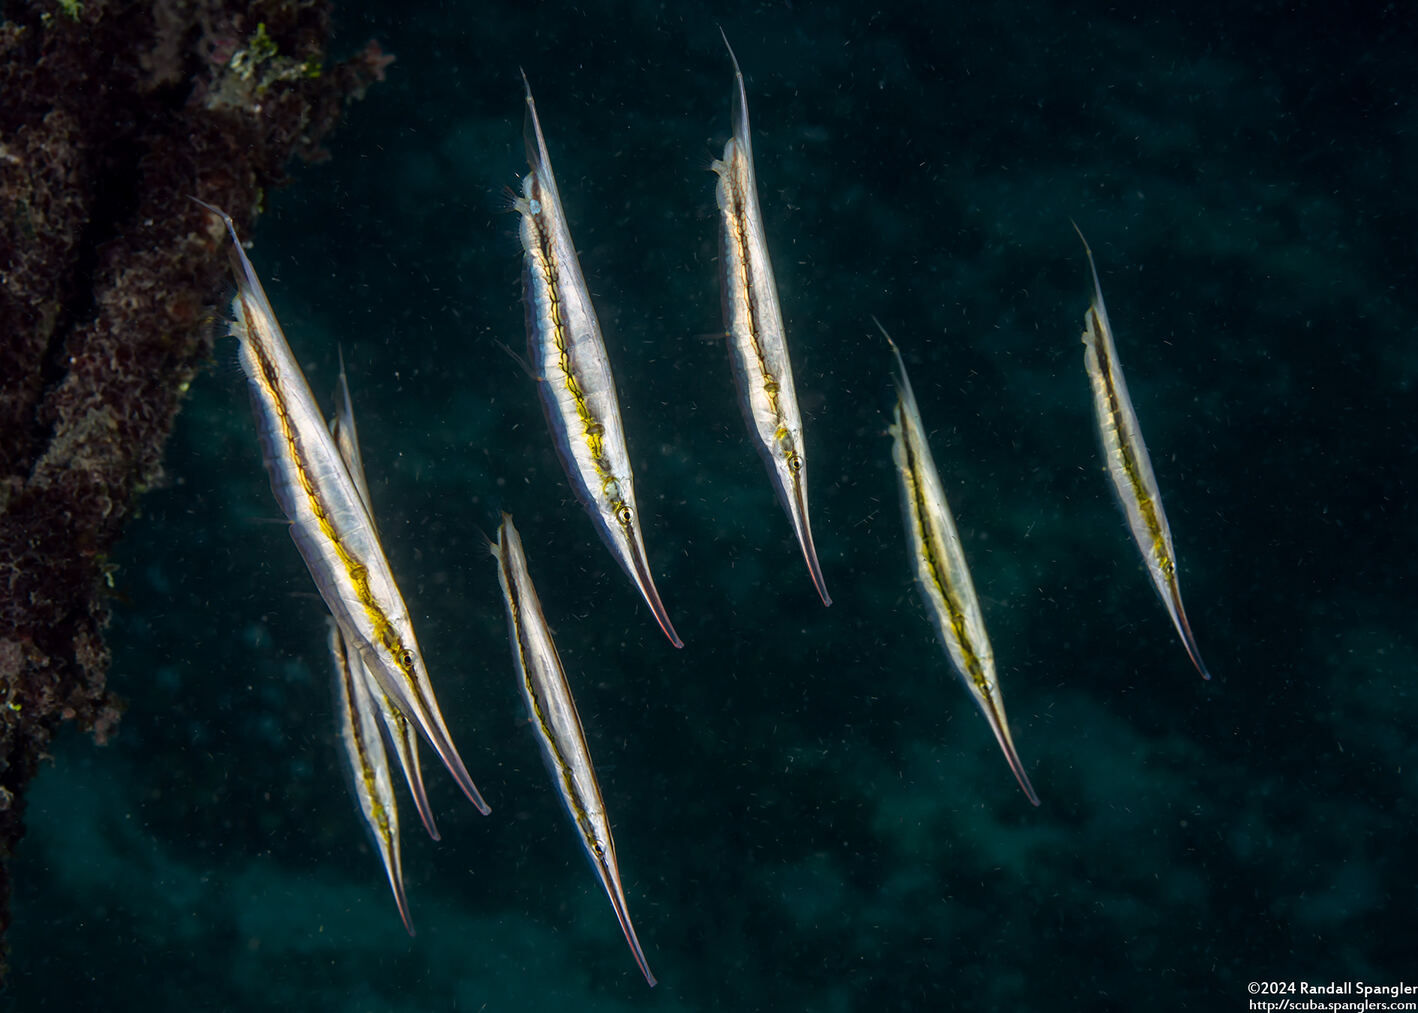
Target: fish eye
(624, 515)
(407, 659)
(795, 463)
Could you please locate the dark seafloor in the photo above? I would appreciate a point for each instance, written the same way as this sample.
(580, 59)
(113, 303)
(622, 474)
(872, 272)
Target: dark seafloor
(810, 813)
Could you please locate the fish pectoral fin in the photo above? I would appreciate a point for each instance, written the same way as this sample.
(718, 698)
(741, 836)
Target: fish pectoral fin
(508, 199)
(526, 366)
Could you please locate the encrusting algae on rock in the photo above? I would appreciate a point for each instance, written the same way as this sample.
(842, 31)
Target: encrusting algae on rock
(113, 113)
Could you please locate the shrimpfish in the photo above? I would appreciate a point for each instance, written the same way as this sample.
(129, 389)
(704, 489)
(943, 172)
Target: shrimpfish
(758, 349)
(329, 521)
(1128, 464)
(938, 561)
(558, 727)
(568, 355)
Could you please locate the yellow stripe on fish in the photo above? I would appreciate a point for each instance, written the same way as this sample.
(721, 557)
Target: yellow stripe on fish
(938, 562)
(330, 522)
(558, 726)
(568, 355)
(753, 324)
(1129, 466)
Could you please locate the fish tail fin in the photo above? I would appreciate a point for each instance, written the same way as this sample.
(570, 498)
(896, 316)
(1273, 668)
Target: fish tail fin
(1184, 627)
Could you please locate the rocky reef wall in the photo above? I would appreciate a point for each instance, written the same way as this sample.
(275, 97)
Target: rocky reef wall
(110, 288)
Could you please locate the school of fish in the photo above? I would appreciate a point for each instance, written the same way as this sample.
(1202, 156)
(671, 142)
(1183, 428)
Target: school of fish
(384, 693)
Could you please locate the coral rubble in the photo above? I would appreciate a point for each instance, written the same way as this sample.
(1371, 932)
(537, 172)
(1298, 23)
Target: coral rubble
(109, 280)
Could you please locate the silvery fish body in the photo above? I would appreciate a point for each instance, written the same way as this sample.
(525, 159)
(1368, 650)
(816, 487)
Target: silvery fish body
(367, 762)
(558, 726)
(400, 733)
(1129, 466)
(753, 322)
(329, 521)
(938, 562)
(568, 355)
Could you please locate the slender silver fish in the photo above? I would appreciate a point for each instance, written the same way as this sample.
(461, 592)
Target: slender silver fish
(568, 355)
(329, 522)
(758, 350)
(1128, 464)
(938, 560)
(369, 766)
(401, 734)
(557, 725)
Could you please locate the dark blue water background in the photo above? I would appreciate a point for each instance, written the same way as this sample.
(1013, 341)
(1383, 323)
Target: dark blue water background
(810, 812)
